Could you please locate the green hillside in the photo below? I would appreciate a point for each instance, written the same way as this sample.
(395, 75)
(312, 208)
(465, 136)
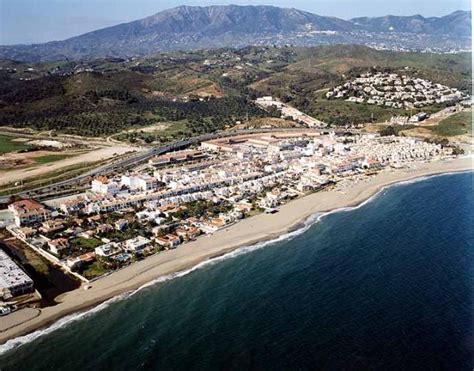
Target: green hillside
(206, 90)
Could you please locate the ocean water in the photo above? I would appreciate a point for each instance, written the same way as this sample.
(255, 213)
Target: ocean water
(384, 286)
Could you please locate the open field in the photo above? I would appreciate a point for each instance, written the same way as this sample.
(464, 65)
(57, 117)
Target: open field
(50, 162)
(46, 159)
(9, 144)
(14, 161)
(443, 124)
(457, 124)
(47, 178)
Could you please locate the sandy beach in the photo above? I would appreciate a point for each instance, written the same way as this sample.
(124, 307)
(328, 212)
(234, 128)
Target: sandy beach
(249, 231)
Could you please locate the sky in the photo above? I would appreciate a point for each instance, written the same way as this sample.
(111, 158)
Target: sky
(35, 21)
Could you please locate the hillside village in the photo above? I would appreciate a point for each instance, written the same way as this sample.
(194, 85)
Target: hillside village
(394, 90)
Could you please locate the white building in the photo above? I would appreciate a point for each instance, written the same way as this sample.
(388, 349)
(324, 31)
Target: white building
(27, 212)
(13, 281)
(104, 186)
(137, 244)
(107, 250)
(139, 182)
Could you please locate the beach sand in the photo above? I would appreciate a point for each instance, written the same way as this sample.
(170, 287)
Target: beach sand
(247, 232)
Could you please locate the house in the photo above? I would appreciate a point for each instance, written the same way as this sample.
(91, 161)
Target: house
(244, 207)
(95, 219)
(104, 186)
(73, 205)
(107, 250)
(80, 260)
(25, 232)
(212, 225)
(268, 203)
(169, 240)
(121, 224)
(188, 232)
(27, 211)
(104, 228)
(58, 246)
(51, 226)
(137, 244)
(371, 164)
(86, 234)
(139, 182)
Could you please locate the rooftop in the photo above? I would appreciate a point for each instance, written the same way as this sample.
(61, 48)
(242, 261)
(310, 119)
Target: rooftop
(10, 273)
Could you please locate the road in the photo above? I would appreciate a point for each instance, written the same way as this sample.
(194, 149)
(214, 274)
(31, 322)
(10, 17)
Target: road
(141, 157)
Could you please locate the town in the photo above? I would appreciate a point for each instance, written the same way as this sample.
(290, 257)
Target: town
(179, 196)
(393, 90)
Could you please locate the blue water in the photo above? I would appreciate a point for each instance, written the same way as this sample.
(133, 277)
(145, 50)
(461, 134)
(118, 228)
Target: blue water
(385, 286)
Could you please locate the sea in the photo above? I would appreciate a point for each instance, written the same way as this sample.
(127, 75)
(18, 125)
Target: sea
(387, 285)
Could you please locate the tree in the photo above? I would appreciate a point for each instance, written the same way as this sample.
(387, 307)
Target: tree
(388, 131)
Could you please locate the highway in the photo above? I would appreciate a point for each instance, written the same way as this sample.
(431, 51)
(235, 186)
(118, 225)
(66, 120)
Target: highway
(143, 156)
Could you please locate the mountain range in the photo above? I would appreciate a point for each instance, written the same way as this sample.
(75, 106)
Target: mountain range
(190, 27)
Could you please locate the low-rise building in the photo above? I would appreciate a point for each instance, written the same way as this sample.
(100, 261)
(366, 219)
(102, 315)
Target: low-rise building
(212, 225)
(27, 211)
(188, 232)
(121, 224)
(80, 260)
(108, 250)
(137, 244)
(105, 186)
(58, 246)
(169, 240)
(51, 226)
(13, 280)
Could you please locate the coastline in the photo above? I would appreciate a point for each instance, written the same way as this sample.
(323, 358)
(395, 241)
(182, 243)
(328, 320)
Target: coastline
(292, 218)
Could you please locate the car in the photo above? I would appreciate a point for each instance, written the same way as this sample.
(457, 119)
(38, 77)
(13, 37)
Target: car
(4, 311)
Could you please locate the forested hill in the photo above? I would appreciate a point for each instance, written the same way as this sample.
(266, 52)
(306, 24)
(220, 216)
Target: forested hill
(202, 91)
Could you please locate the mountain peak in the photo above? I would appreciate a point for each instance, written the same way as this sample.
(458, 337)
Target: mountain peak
(198, 27)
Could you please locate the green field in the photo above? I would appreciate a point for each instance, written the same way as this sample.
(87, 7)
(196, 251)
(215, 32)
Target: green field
(85, 243)
(8, 145)
(458, 124)
(50, 158)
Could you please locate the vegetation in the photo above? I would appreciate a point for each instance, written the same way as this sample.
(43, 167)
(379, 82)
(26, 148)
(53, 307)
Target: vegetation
(202, 208)
(198, 97)
(337, 113)
(457, 124)
(85, 244)
(95, 270)
(38, 263)
(7, 144)
(46, 159)
(394, 129)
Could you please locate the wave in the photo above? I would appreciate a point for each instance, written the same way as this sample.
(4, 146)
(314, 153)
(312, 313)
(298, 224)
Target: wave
(305, 225)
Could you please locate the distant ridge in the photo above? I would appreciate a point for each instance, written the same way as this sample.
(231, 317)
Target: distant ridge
(193, 27)
(457, 23)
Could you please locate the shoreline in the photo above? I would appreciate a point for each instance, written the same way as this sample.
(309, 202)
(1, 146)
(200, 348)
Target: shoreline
(292, 218)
